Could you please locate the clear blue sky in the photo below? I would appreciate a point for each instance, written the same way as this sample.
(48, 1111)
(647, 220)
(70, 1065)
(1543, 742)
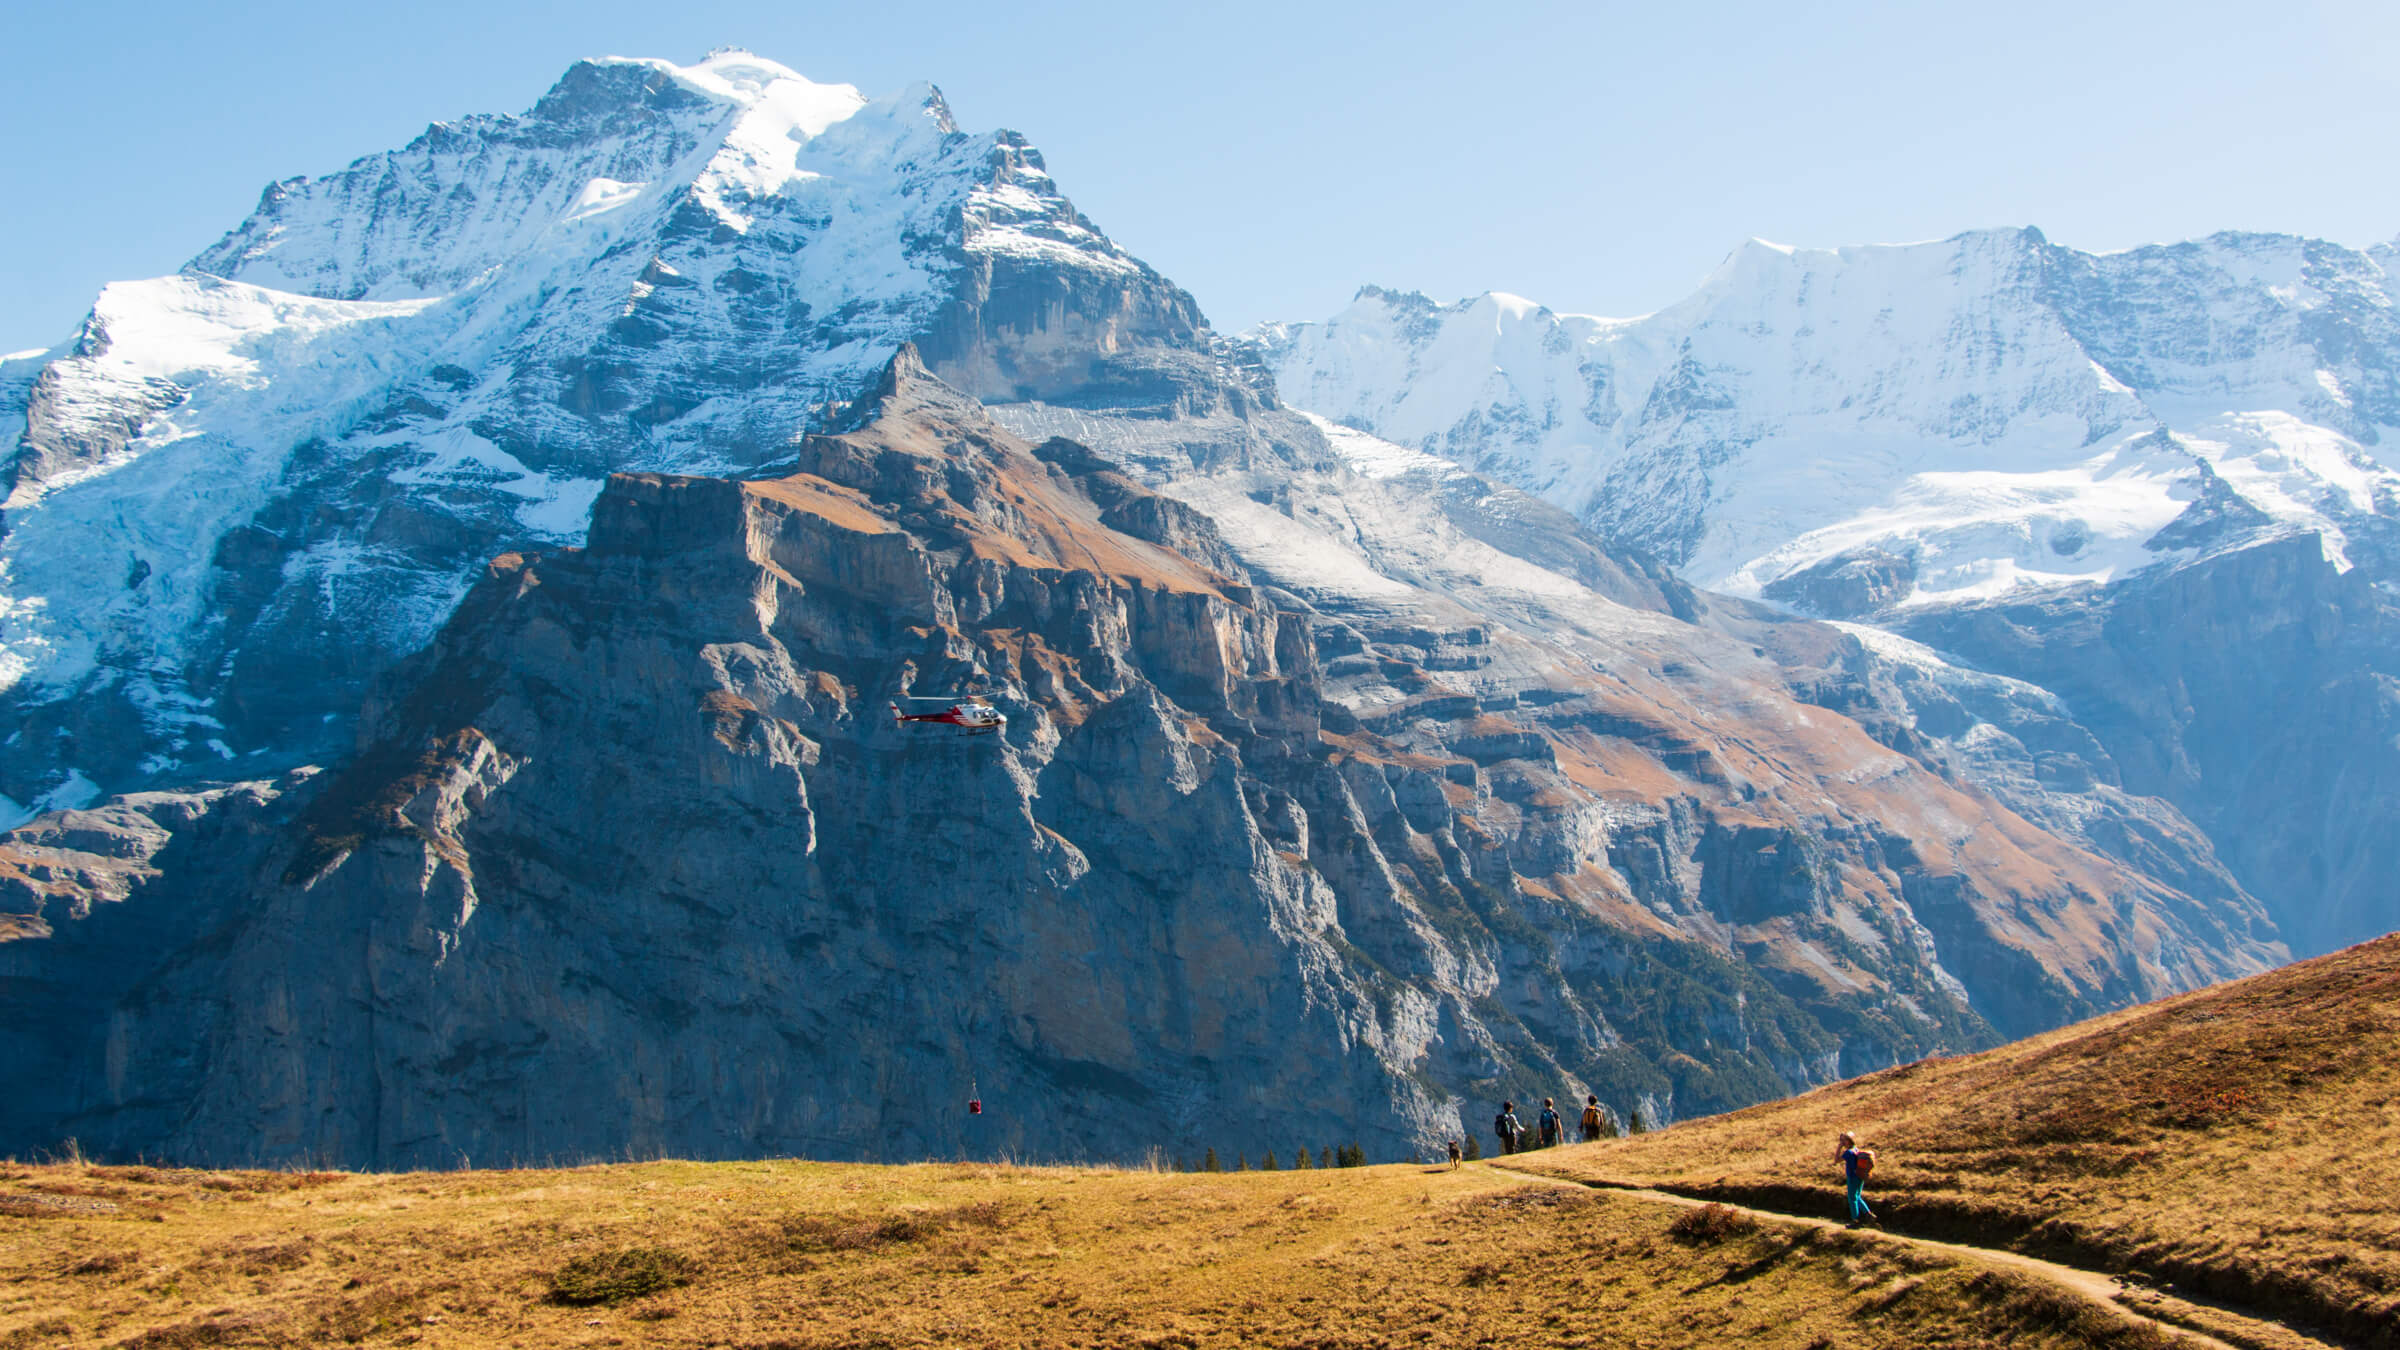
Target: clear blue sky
(1598, 157)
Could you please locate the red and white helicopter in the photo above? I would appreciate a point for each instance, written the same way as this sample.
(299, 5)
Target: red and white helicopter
(972, 714)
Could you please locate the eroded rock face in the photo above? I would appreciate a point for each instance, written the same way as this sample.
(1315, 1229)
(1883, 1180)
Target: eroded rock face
(634, 857)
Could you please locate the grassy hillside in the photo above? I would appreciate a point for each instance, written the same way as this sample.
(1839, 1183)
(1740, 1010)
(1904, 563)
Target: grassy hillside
(2242, 1142)
(796, 1255)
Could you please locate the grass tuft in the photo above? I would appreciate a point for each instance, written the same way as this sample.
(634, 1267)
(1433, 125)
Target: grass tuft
(261, 1183)
(619, 1274)
(859, 1233)
(44, 1332)
(215, 1329)
(1709, 1225)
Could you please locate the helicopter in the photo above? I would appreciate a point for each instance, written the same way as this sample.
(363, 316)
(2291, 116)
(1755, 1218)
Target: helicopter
(971, 713)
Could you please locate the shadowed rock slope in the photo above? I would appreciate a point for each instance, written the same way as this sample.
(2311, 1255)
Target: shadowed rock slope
(632, 857)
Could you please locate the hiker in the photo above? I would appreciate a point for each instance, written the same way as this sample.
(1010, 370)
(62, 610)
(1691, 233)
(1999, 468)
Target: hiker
(1505, 1125)
(1550, 1121)
(1591, 1118)
(1857, 1163)
(1454, 1155)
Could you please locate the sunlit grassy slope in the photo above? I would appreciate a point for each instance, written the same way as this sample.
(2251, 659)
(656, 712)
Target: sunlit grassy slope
(809, 1255)
(2243, 1141)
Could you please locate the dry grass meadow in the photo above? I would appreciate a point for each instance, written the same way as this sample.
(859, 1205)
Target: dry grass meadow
(2242, 1142)
(792, 1255)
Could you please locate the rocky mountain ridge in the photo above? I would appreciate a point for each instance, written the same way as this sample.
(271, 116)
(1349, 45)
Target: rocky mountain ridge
(1335, 773)
(2153, 488)
(634, 829)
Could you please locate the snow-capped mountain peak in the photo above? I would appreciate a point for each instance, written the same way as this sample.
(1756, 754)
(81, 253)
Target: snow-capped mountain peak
(1992, 408)
(611, 136)
(387, 374)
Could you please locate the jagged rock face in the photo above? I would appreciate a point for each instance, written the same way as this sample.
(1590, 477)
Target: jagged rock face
(636, 859)
(386, 376)
(1701, 678)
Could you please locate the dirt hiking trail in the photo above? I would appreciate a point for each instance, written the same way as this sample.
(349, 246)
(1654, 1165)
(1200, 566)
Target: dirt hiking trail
(2225, 1328)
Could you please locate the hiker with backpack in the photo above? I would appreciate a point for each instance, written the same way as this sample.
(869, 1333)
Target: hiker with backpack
(1591, 1118)
(1553, 1125)
(1506, 1126)
(1857, 1164)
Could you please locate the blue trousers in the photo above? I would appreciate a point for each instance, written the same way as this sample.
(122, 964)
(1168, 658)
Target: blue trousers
(1859, 1213)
